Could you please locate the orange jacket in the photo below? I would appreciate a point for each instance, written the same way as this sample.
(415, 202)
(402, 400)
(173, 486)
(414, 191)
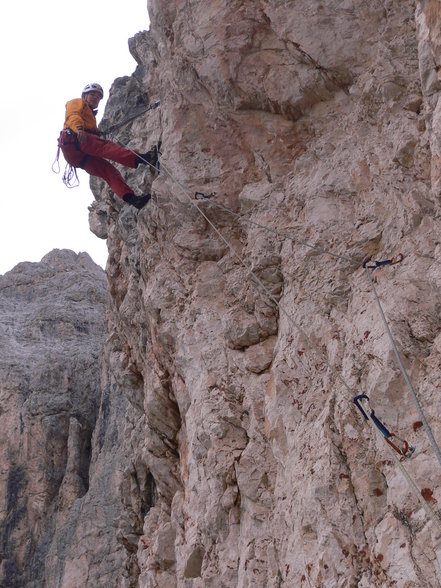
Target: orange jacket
(79, 115)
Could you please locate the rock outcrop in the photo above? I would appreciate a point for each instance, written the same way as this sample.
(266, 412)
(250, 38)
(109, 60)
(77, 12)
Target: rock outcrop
(52, 328)
(235, 345)
(319, 121)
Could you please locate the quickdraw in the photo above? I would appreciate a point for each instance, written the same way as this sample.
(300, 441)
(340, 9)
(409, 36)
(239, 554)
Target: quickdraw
(202, 196)
(157, 153)
(405, 450)
(398, 259)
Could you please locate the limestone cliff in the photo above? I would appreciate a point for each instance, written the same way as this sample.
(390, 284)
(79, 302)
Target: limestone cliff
(51, 334)
(320, 121)
(237, 456)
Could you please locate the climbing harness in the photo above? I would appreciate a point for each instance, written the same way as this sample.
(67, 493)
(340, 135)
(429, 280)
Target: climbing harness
(405, 450)
(376, 264)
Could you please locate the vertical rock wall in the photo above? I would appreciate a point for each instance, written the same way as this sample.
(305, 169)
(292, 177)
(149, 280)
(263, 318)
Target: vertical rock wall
(321, 121)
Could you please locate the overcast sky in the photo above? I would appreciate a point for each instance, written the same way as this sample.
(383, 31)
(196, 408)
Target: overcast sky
(50, 50)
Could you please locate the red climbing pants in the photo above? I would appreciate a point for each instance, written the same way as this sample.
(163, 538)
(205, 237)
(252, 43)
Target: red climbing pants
(92, 154)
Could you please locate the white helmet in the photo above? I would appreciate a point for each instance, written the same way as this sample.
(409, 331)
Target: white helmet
(93, 88)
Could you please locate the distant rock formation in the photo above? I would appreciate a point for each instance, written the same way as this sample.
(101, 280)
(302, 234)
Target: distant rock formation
(52, 330)
(227, 451)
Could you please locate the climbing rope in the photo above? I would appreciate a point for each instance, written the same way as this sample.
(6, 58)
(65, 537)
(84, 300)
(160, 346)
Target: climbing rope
(112, 128)
(320, 250)
(414, 488)
(70, 177)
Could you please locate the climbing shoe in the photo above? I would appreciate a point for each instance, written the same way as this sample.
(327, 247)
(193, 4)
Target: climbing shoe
(136, 201)
(150, 158)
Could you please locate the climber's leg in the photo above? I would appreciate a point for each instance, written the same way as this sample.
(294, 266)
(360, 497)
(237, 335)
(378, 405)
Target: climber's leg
(96, 166)
(93, 145)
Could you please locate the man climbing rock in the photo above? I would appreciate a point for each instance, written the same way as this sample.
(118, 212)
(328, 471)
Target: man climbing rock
(82, 147)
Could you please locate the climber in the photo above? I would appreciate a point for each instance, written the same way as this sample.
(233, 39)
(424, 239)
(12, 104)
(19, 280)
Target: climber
(81, 146)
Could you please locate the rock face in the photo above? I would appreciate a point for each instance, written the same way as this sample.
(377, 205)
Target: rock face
(51, 335)
(319, 121)
(234, 454)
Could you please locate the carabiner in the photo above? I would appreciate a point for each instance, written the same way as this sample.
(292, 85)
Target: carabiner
(406, 450)
(394, 260)
(202, 196)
